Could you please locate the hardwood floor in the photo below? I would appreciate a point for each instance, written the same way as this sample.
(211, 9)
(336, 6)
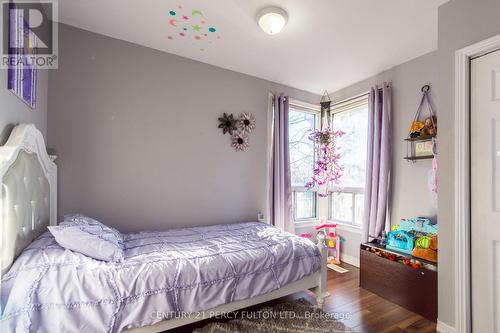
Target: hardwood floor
(369, 313)
(363, 311)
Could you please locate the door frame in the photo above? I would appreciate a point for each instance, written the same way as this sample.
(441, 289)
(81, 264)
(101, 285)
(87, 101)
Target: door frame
(463, 57)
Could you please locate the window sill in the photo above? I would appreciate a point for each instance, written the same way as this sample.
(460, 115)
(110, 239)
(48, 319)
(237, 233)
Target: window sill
(340, 226)
(348, 227)
(306, 223)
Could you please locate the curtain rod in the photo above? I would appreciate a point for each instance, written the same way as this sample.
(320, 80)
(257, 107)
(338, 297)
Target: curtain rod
(347, 100)
(387, 85)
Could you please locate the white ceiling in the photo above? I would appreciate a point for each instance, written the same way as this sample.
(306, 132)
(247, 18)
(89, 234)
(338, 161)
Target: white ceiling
(326, 43)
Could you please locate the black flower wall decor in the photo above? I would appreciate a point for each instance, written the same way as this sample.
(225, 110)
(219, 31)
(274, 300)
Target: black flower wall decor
(239, 129)
(227, 123)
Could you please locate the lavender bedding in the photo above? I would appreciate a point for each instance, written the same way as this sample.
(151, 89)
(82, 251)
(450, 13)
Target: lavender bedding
(163, 275)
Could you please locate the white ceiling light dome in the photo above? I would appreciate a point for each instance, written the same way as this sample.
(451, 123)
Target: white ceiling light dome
(272, 20)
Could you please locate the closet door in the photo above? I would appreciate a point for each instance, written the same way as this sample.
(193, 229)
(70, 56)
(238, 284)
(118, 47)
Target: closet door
(485, 195)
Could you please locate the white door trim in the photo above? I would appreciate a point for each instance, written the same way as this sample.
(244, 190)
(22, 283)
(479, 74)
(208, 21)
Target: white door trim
(462, 179)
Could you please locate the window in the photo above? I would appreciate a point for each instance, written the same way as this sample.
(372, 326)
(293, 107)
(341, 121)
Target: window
(347, 198)
(345, 202)
(302, 121)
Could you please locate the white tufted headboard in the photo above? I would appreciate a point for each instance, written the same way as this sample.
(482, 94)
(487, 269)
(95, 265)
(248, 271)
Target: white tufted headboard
(28, 201)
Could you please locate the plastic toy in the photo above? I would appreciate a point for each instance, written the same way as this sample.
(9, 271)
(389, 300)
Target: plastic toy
(426, 248)
(392, 257)
(423, 242)
(326, 226)
(420, 224)
(402, 259)
(332, 241)
(400, 240)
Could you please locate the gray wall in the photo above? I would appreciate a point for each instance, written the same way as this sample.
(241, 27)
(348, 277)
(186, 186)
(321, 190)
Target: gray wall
(14, 111)
(461, 23)
(136, 135)
(410, 190)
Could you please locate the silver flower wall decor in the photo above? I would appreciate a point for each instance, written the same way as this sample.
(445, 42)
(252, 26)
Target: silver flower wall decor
(239, 129)
(246, 122)
(240, 141)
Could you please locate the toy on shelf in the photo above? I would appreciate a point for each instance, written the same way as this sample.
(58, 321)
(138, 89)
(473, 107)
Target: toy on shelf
(430, 128)
(416, 128)
(332, 241)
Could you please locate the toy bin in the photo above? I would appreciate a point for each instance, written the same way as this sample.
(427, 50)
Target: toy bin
(401, 241)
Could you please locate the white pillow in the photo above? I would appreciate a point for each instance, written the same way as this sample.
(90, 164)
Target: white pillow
(82, 219)
(82, 234)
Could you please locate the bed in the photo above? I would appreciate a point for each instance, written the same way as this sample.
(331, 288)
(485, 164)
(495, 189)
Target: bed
(167, 279)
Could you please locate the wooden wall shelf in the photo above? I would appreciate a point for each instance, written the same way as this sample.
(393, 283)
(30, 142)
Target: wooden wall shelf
(416, 158)
(426, 138)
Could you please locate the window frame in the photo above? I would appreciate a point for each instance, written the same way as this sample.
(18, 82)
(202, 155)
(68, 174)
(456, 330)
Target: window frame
(353, 191)
(300, 189)
(316, 111)
(337, 108)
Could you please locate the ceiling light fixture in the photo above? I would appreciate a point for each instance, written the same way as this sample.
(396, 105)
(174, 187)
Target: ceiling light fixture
(272, 19)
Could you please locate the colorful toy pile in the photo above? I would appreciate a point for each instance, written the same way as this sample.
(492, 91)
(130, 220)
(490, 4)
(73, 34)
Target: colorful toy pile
(417, 237)
(413, 263)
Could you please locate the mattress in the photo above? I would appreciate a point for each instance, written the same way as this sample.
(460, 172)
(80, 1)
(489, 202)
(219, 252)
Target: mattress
(164, 275)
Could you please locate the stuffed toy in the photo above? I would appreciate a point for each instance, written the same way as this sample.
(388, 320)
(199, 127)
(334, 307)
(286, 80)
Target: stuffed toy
(416, 129)
(430, 126)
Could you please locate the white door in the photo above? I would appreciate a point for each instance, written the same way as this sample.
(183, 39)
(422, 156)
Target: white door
(485, 187)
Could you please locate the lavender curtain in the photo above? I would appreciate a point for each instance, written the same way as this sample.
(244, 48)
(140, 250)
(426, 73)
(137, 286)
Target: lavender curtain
(378, 164)
(280, 189)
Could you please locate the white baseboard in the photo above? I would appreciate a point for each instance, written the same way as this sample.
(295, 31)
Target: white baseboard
(444, 328)
(348, 259)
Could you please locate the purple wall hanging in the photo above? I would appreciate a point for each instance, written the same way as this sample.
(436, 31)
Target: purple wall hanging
(22, 77)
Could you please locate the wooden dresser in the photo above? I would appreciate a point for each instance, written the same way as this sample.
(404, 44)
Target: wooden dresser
(413, 289)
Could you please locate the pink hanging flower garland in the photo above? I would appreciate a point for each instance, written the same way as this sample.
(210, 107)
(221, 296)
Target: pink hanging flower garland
(327, 168)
